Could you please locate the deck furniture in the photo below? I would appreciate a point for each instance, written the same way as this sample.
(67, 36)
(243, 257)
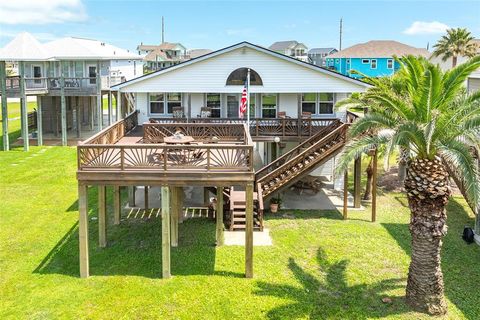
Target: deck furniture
(178, 139)
(178, 112)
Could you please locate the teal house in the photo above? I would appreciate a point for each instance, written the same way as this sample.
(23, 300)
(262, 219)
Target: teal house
(372, 59)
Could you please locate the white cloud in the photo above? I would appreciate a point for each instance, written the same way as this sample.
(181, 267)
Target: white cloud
(423, 27)
(15, 12)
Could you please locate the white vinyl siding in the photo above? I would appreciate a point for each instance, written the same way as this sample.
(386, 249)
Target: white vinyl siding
(278, 75)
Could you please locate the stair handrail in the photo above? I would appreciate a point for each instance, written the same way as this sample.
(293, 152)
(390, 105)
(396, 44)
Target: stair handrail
(286, 156)
(339, 130)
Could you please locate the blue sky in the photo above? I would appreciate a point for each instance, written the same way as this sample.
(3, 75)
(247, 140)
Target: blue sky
(216, 24)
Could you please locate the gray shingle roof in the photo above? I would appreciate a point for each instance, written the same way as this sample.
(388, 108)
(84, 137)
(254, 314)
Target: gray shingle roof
(379, 49)
(282, 45)
(320, 50)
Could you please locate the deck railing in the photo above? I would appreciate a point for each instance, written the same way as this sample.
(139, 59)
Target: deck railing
(84, 84)
(232, 151)
(266, 127)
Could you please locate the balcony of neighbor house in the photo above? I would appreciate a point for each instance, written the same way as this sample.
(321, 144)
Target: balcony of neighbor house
(73, 86)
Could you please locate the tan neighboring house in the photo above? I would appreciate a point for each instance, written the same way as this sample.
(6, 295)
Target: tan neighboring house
(167, 54)
(291, 48)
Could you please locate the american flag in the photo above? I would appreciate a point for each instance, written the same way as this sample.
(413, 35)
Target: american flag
(243, 101)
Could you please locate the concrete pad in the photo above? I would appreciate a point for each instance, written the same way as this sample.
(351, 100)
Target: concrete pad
(326, 199)
(237, 238)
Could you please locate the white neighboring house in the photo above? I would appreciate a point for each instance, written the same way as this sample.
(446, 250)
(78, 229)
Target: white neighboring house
(281, 86)
(473, 82)
(291, 48)
(87, 68)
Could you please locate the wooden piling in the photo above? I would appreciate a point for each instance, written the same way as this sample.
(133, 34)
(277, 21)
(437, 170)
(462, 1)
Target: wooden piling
(166, 233)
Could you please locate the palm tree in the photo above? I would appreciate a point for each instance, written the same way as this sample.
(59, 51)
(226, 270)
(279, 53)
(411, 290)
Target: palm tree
(456, 43)
(437, 123)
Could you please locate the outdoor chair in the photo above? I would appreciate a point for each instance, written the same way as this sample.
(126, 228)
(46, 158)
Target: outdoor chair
(178, 112)
(205, 112)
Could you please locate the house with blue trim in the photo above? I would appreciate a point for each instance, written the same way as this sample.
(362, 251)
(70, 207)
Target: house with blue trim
(374, 58)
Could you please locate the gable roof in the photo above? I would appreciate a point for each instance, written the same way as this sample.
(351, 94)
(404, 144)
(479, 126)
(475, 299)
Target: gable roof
(321, 50)
(238, 46)
(282, 45)
(23, 47)
(195, 53)
(379, 49)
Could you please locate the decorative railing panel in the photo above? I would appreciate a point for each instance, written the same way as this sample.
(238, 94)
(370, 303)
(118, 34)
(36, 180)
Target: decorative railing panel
(214, 132)
(265, 127)
(208, 158)
(115, 132)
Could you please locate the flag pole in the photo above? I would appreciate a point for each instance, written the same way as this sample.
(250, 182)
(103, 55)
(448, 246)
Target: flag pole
(248, 100)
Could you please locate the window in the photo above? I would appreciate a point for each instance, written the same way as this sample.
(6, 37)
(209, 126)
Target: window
(309, 102)
(78, 69)
(173, 100)
(213, 102)
(37, 73)
(337, 60)
(365, 61)
(325, 103)
(92, 74)
(373, 64)
(252, 105)
(157, 104)
(390, 63)
(348, 61)
(239, 76)
(269, 105)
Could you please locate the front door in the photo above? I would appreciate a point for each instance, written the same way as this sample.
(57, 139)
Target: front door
(233, 105)
(37, 75)
(92, 74)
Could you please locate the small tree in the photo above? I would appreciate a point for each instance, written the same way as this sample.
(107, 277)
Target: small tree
(456, 43)
(433, 119)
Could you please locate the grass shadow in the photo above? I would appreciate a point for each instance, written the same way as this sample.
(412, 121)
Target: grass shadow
(331, 297)
(134, 248)
(459, 260)
(304, 214)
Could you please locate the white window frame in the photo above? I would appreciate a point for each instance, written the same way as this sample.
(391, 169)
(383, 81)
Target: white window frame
(325, 101)
(390, 62)
(315, 101)
(221, 102)
(276, 105)
(365, 61)
(167, 101)
(150, 113)
(371, 64)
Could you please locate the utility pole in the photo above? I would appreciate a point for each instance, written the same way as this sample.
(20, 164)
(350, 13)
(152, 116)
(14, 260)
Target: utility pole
(340, 44)
(163, 30)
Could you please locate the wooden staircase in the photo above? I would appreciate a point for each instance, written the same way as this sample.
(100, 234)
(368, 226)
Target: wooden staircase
(286, 170)
(237, 210)
(301, 160)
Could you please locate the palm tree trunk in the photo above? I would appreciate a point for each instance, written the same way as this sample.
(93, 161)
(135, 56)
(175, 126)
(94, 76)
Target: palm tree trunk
(402, 164)
(454, 61)
(368, 188)
(428, 192)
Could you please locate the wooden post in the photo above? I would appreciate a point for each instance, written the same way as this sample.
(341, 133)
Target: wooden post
(110, 109)
(131, 196)
(91, 116)
(206, 196)
(357, 178)
(63, 105)
(102, 217)
(249, 230)
(345, 195)
(99, 98)
(116, 205)
(83, 230)
(119, 105)
(79, 115)
(219, 216)
(3, 92)
(180, 212)
(145, 194)
(374, 187)
(175, 205)
(166, 233)
(23, 107)
(39, 122)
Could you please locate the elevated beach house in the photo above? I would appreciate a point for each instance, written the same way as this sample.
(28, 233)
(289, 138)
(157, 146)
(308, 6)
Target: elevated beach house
(372, 59)
(186, 130)
(69, 77)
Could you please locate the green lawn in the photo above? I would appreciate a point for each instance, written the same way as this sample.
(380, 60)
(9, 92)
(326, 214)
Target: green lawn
(14, 125)
(320, 267)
